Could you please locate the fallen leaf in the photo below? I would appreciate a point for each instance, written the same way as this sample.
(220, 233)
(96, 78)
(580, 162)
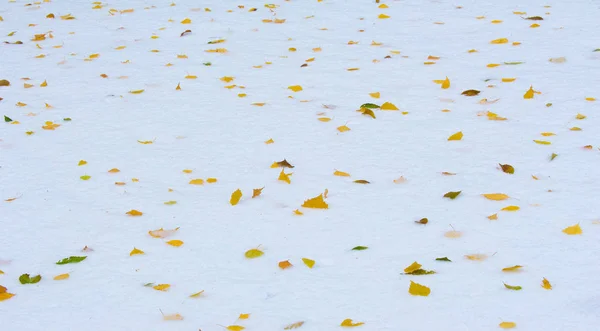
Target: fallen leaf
(542, 142)
(561, 59)
(493, 217)
(134, 212)
(511, 208)
(244, 316)
(197, 294)
(294, 325)
(362, 181)
(422, 221)
(453, 234)
(186, 21)
(284, 177)
(343, 128)
(256, 192)
(470, 93)
(446, 83)
(511, 287)
(546, 284)
(529, 94)
(360, 248)
(308, 262)
(573, 230)
(170, 203)
(137, 91)
(26, 279)
(173, 317)
(507, 168)
(162, 233)
(62, 277)
(341, 173)
(375, 95)
(295, 88)
(197, 181)
(162, 287)
(499, 41)
(507, 325)
(253, 253)
(418, 289)
(235, 197)
(316, 202)
(136, 251)
(414, 266)
(452, 195)
(456, 136)
(513, 268)
(71, 259)
(282, 164)
(496, 196)
(476, 257)
(235, 328)
(445, 259)
(388, 106)
(348, 322)
(285, 264)
(176, 243)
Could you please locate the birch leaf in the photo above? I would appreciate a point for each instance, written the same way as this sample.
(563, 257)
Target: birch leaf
(343, 128)
(349, 323)
(513, 268)
(529, 94)
(316, 202)
(173, 317)
(162, 233)
(294, 325)
(256, 192)
(414, 266)
(71, 259)
(235, 197)
(134, 212)
(511, 208)
(514, 288)
(341, 173)
(295, 88)
(452, 195)
(284, 177)
(62, 277)
(389, 106)
(197, 294)
(418, 289)
(235, 328)
(546, 284)
(162, 287)
(285, 264)
(507, 325)
(507, 168)
(496, 196)
(136, 251)
(197, 181)
(308, 262)
(176, 243)
(456, 136)
(253, 253)
(573, 230)
(446, 83)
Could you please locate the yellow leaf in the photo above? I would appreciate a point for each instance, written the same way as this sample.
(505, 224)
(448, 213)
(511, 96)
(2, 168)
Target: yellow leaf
(270, 141)
(456, 136)
(511, 208)
(575, 128)
(161, 287)
(5, 295)
(187, 171)
(529, 94)
(316, 202)
(120, 48)
(178, 87)
(493, 65)
(191, 77)
(295, 88)
(534, 25)
(259, 104)
(493, 217)
(309, 263)
(175, 242)
(94, 56)
(573, 230)
(542, 142)
(590, 99)
(256, 192)
(44, 83)
(546, 284)
(253, 253)
(197, 294)
(508, 80)
(244, 316)
(62, 277)
(414, 266)
(294, 325)
(82, 162)
(227, 79)
(499, 41)
(580, 117)
(496, 21)
(383, 16)
(235, 328)
(341, 173)
(548, 134)
(513, 268)
(186, 21)
(476, 257)
(284, 177)
(418, 289)
(507, 325)
(298, 212)
(324, 119)
(145, 142)
(375, 95)
(136, 251)
(399, 180)
(446, 83)
(134, 212)
(197, 181)
(348, 322)
(235, 197)
(173, 317)
(343, 128)
(496, 196)
(211, 180)
(388, 106)
(114, 170)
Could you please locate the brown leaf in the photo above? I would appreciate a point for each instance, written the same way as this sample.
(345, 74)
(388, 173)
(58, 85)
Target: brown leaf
(470, 93)
(422, 221)
(256, 192)
(507, 168)
(185, 32)
(282, 164)
(362, 181)
(534, 18)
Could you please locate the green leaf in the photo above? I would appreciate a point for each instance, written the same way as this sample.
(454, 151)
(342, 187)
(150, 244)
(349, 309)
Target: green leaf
(26, 279)
(7, 119)
(596, 50)
(511, 287)
(85, 177)
(445, 259)
(149, 284)
(452, 195)
(208, 64)
(513, 63)
(370, 106)
(360, 248)
(72, 259)
(67, 119)
(553, 156)
(420, 272)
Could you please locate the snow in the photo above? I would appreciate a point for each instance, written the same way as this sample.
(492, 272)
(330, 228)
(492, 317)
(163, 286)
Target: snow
(209, 129)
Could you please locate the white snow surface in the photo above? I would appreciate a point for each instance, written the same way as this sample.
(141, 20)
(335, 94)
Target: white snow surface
(207, 128)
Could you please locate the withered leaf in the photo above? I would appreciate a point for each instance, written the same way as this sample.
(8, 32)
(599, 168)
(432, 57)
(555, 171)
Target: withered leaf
(507, 168)
(470, 93)
(282, 164)
(185, 33)
(362, 181)
(452, 195)
(422, 221)
(534, 18)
